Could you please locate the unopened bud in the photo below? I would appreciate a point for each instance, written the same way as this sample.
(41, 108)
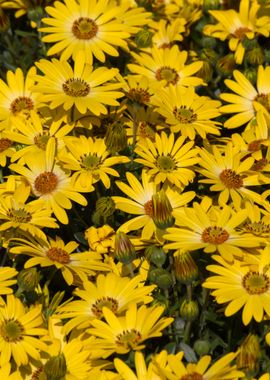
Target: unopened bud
(202, 347)
(155, 255)
(116, 138)
(226, 64)
(124, 250)
(105, 206)
(161, 277)
(255, 56)
(4, 21)
(251, 74)
(143, 38)
(162, 210)
(189, 310)
(56, 367)
(249, 355)
(186, 270)
(28, 279)
(211, 4)
(205, 72)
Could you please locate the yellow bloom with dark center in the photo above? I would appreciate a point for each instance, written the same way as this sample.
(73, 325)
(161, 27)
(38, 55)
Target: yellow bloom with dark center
(241, 287)
(89, 161)
(213, 229)
(112, 291)
(63, 256)
(20, 329)
(7, 275)
(247, 100)
(90, 26)
(123, 334)
(81, 86)
(49, 182)
(166, 66)
(228, 174)
(238, 26)
(186, 112)
(168, 159)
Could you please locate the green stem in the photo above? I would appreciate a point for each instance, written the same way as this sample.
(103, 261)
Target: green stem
(131, 271)
(187, 330)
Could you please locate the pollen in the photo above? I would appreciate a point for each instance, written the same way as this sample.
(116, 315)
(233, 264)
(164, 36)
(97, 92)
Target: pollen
(19, 216)
(46, 183)
(185, 115)
(11, 331)
(165, 163)
(257, 228)
(59, 255)
(192, 376)
(138, 95)
(41, 141)
(90, 161)
(240, 33)
(22, 103)
(109, 302)
(5, 144)
(84, 28)
(214, 235)
(76, 88)
(231, 179)
(128, 338)
(148, 208)
(167, 73)
(264, 100)
(256, 283)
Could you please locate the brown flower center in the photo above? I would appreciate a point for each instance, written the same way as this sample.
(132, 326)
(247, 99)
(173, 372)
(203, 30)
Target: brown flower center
(214, 235)
(192, 376)
(230, 179)
(168, 74)
(46, 182)
(144, 130)
(128, 339)
(255, 282)
(59, 255)
(19, 216)
(5, 144)
(148, 208)
(264, 100)
(138, 95)
(109, 302)
(11, 331)
(257, 228)
(184, 115)
(165, 163)
(255, 145)
(84, 28)
(41, 141)
(76, 87)
(22, 103)
(240, 33)
(259, 165)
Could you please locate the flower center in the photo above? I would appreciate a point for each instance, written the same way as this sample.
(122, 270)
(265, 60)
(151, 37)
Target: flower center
(148, 208)
(259, 164)
(46, 182)
(11, 331)
(84, 28)
(138, 95)
(214, 235)
(264, 100)
(90, 161)
(59, 255)
(255, 145)
(41, 141)
(240, 33)
(192, 376)
(128, 338)
(256, 283)
(144, 130)
(165, 163)
(22, 103)
(230, 179)
(257, 228)
(184, 115)
(76, 87)
(109, 302)
(167, 73)
(19, 215)
(5, 144)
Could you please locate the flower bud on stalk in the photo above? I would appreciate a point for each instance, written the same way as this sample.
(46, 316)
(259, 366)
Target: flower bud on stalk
(186, 270)
(162, 210)
(124, 250)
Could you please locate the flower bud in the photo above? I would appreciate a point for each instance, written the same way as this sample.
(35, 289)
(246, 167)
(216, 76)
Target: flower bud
(56, 367)
(155, 255)
(162, 210)
(143, 38)
(226, 64)
(116, 138)
(251, 74)
(205, 72)
(124, 250)
(28, 279)
(255, 56)
(186, 270)
(208, 42)
(161, 277)
(249, 355)
(202, 347)
(4, 21)
(211, 4)
(105, 206)
(189, 310)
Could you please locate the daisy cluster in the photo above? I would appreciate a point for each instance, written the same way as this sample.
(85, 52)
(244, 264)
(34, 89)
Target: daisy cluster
(134, 190)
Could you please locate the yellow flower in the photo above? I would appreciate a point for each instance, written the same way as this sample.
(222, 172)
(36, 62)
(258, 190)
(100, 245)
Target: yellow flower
(93, 27)
(186, 112)
(168, 33)
(49, 182)
(166, 66)
(7, 280)
(100, 240)
(81, 87)
(19, 332)
(241, 286)
(88, 159)
(112, 291)
(237, 27)
(5, 373)
(168, 159)
(123, 334)
(247, 100)
(55, 252)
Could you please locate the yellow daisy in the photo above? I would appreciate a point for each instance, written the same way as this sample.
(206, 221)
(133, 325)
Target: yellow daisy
(247, 100)
(211, 229)
(90, 26)
(186, 112)
(7, 280)
(227, 173)
(49, 182)
(81, 87)
(20, 330)
(123, 334)
(168, 159)
(17, 97)
(166, 66)
(88, 160)
(168, 33)
(56, 253)
(100, 239)
(241, 286)
(238, 26)
(112, 291)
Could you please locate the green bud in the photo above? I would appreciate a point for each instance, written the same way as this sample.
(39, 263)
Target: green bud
(4, 21)
(105, 207)
(251, 74)
(162, 210)
(186, 270)
(211, 4)
(255, 56)
(28, 279)
(155, 255)
(124, 250)
(209, 55)
(205, 72)
(202, 347)
(56, 367)
(226, 64)
(143, 38)
(161, 277)
(189, 310)
(208, 42)
(116, 138)
(249, 355)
